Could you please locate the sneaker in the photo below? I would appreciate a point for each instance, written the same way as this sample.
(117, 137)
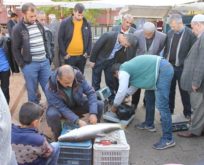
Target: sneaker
(145, 127)
(163, 144)
(111, 114)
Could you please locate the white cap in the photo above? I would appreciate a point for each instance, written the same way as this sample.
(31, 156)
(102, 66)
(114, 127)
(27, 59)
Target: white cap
(198, 18)
(149, 27)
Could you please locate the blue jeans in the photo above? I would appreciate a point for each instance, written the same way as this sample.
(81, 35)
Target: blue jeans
(150, 107)
(185, 98)
(53, 158)
(34, 73)
(165, 76)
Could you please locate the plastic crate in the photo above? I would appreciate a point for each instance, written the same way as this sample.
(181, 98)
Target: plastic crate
(75, 153)
(113, 154)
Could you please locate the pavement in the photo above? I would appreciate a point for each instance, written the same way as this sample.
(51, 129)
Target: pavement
(187, 151)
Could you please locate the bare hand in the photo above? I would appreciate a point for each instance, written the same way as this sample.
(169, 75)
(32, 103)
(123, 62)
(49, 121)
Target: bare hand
(86, 55)
(66, 57)
(92, 119)
(194, 88)
(114, 109)
(82, 123)
(91, 64)
(128, 99)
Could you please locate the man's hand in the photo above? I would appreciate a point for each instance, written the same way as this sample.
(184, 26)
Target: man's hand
(66, 57)
(86, 55)
(128, 100)
(114, 109)
(93, 119)
(194, 88)
(91, 64)
(81, 123)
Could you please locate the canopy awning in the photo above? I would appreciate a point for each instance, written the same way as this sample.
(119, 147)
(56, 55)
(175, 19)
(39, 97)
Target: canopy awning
(36, 2)
(155, 12)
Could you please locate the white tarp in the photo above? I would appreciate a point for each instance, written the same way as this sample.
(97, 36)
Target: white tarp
(92, 4)
(36, 2)
(101, 4)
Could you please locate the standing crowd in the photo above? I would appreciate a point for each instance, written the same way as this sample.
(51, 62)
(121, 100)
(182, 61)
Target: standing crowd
(131, 60)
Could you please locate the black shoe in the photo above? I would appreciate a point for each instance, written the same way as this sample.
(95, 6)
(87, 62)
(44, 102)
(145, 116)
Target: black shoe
(188, 117)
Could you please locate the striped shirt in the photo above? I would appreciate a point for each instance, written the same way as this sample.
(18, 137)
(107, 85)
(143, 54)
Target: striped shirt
(37, 48)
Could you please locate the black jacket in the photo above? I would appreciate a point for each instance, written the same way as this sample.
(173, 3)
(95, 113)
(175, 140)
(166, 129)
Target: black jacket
(10, 26)
(66, 32)
(50, 43)
(186, 44)
(21, 43)
(105, 45)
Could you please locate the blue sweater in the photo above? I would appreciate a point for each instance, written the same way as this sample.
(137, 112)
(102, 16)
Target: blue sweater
(57, 98)
(4, 64)
(30, 147)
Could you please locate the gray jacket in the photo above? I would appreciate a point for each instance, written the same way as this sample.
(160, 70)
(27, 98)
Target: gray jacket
(156, 46)
(193, 71)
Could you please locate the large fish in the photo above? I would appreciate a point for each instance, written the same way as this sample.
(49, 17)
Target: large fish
(89, 132)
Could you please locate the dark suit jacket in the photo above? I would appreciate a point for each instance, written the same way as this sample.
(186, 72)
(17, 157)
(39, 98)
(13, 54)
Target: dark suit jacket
(104, 46)
(128, 53)
(186, 44)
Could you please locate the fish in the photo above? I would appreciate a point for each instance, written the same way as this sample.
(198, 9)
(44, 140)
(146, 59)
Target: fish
(89, 132)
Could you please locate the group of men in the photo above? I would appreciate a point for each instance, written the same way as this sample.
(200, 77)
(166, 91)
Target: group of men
(131, 60)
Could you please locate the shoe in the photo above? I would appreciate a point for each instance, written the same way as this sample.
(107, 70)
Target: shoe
(163, 144)
(186, 134)
(188, 117)
(145, 127)
(111, 114)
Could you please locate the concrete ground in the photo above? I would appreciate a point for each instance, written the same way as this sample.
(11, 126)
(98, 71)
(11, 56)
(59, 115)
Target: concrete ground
(186, 151)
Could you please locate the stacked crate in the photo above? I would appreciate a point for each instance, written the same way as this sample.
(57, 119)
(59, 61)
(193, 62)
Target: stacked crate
(114, 153)
(75, 153)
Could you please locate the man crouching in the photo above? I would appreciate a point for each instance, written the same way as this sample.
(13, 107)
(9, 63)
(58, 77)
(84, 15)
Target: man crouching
(70, 96)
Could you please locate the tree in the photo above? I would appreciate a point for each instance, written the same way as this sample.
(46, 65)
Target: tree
(90, 14)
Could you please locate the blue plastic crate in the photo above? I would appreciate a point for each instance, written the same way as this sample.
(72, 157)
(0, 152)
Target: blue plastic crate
(75, 153)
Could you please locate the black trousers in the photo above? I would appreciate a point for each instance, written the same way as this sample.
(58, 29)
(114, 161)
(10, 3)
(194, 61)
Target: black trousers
(109, 79)
(77, 61)
(185, 98)
(4, 78)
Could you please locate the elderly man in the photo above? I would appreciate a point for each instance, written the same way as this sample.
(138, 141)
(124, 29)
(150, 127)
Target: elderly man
(179, 41)
(148, 72)
(192, 79)
(104, 55)
(125, 27)
(150, 41)
(65, 94)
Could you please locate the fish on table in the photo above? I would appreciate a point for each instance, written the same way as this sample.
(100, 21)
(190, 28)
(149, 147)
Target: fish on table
(89, 132)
